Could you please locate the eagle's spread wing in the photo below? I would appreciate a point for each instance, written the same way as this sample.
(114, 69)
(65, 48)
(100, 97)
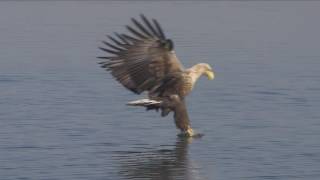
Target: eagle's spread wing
(140, 61)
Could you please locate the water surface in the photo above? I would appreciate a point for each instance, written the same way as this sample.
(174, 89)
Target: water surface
(63, 117)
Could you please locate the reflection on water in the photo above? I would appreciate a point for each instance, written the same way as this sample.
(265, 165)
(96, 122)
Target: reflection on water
(165, 163)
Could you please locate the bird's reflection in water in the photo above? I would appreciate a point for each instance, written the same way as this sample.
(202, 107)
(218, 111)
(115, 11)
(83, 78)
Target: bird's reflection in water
(168, 163)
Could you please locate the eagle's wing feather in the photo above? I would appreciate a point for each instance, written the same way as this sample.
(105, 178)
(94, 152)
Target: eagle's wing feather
(141, 60)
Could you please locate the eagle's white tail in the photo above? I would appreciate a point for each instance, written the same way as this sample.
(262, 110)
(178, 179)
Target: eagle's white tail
(144, 102)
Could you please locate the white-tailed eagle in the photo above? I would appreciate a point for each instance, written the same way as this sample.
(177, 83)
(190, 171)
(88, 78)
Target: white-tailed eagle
(145, 61)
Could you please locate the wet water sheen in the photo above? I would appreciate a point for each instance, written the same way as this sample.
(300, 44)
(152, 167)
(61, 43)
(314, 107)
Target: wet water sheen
(63, 117)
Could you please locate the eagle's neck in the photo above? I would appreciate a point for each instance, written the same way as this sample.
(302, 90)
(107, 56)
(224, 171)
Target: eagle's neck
(195, 72)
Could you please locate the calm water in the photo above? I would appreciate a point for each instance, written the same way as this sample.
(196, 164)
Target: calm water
(63, 117)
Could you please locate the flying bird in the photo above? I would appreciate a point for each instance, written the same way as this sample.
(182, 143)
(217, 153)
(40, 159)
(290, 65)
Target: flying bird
(144, 60)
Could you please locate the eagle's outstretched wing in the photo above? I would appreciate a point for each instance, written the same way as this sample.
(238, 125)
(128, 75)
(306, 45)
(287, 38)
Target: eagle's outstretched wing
(140, 61)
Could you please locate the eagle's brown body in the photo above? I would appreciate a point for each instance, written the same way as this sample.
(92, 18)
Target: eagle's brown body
(145, 61)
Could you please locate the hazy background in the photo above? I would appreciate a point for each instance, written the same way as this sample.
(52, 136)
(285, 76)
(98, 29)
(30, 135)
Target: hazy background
(63, 117)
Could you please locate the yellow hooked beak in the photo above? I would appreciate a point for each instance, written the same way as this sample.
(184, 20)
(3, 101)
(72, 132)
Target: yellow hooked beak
(210, 74)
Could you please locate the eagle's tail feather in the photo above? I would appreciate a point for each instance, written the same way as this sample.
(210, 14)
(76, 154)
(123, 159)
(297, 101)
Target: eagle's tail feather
(148, 103)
